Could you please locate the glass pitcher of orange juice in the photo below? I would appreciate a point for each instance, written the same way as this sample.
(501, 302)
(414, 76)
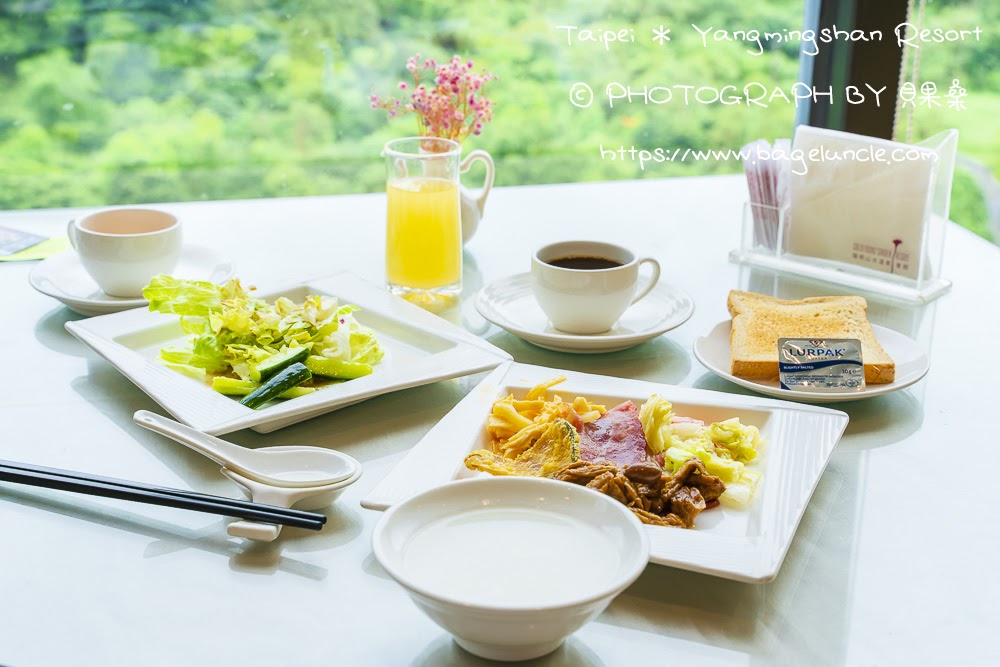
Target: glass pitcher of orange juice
(423, 249)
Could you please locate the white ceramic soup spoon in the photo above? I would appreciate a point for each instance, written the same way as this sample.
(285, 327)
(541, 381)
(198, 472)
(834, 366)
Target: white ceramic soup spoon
(288, 466)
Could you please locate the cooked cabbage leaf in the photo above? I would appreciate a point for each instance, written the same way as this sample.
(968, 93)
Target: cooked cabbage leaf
(724, 447)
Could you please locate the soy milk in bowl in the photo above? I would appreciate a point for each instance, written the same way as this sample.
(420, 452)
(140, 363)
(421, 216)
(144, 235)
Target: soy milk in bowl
(511, 566)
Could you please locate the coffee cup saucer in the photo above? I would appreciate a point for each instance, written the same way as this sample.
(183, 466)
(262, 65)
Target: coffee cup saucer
(510, 304)
(63, 277)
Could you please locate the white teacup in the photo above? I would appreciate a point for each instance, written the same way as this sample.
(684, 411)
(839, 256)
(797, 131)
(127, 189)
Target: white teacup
(123, 248)
(588, 297)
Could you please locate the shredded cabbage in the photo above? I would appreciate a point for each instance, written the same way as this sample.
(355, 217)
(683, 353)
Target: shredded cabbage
(724, 447)
(231, 330)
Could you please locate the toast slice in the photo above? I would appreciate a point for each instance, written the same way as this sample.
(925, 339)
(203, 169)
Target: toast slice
(759, 321)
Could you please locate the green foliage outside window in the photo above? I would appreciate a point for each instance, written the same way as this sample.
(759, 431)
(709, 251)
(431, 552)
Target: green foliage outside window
(128, 101)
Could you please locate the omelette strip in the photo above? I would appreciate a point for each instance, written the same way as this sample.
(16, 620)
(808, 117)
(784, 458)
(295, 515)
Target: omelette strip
(554, 446)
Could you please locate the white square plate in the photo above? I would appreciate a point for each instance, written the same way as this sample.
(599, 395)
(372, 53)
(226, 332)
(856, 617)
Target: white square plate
(420, 348)
(746, 545)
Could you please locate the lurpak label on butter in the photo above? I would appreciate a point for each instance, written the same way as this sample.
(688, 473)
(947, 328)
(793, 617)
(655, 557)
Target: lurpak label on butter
(824, 365)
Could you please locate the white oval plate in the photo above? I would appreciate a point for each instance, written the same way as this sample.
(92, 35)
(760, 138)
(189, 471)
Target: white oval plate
(712, 350)
(63, 277)
(510, 304)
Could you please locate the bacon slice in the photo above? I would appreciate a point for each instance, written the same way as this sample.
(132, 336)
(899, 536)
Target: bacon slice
(617, 436)
(676, 419)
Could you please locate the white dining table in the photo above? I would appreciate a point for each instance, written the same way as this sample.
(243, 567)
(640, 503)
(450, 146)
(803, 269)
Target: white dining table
(894, 562)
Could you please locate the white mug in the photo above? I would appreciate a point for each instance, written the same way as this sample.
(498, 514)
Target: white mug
(123, 248)
(588, 300)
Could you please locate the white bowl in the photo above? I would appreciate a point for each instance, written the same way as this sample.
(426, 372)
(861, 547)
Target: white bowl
(511, 565)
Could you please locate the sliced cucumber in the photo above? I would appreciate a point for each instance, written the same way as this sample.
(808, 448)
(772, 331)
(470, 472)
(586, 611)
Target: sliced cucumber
(269, 367)
(237, 387)
(334, 368)
(291, 376)
(233, 386)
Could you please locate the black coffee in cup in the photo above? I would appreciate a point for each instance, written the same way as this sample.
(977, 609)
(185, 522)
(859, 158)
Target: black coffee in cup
(584, 263)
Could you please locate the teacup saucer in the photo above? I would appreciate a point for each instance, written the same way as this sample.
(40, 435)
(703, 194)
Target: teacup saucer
(62, 277)
(510, 304)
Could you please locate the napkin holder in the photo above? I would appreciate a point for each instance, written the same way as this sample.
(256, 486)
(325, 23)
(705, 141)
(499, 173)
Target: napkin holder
(843, 210)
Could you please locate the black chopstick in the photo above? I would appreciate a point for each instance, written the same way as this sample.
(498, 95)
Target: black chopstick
(128, 484)
(176, 498)
(66, 480)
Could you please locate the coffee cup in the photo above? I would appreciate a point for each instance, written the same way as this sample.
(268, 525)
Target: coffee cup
(123, 248)
(584, 287)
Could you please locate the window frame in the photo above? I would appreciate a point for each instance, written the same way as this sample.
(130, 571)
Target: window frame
(843, 63)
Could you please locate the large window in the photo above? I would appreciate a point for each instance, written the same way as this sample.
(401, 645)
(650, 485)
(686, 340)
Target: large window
(128, 101)
(121, 101)
(976, 67)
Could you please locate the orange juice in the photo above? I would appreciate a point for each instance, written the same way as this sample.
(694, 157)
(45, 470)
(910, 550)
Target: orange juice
(423, 247)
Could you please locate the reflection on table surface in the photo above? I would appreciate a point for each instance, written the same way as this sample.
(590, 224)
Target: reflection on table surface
(879, 563)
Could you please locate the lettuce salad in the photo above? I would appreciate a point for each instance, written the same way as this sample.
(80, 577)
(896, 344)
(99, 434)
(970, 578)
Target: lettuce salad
(724, 447)
(232, 331)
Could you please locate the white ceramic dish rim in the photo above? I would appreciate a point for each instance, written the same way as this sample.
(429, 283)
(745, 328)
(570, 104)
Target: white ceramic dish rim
(632, 570)
(664, 325)
(106, 302)
(78, 222)
(870, 391)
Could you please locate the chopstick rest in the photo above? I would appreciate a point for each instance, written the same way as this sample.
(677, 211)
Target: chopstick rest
(309, 498)
(108, 487)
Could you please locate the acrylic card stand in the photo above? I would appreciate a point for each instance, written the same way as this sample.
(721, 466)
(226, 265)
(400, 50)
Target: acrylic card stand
(875, 225)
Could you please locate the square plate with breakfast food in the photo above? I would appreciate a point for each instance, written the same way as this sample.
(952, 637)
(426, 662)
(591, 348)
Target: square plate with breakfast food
(720, 480)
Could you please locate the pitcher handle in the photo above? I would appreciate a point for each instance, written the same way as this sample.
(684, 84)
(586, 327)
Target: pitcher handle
(487, 160)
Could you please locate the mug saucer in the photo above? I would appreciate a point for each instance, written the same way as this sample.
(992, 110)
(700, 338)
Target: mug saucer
(510, 304)
(63, 277)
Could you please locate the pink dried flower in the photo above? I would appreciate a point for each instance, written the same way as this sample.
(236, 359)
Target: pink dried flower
(449, 107)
